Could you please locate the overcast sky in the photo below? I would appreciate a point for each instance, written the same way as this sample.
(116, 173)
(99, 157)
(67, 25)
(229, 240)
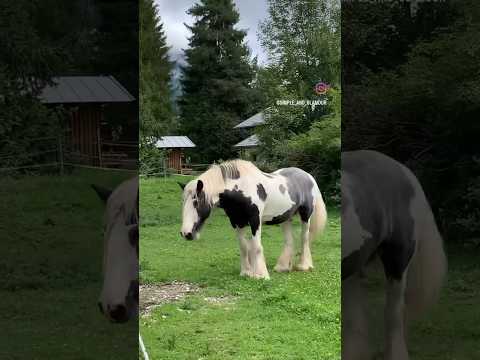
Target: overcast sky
(173, 15)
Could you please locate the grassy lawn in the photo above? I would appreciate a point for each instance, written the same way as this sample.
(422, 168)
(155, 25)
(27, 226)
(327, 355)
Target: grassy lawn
(51, 270)
(292, 316)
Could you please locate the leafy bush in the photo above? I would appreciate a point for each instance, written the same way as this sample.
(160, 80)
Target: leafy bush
(152, 159)
(318, 151)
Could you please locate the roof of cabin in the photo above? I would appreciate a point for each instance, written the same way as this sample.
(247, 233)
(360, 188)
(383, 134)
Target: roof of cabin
(255, 120)
(251, 141)
(85, 89)
(169, 142)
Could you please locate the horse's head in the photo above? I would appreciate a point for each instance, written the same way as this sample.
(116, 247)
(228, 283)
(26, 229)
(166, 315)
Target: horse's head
(119, 296)
(196, 209)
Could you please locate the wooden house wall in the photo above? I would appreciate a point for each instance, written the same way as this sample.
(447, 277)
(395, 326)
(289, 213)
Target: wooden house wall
(175, 159)
(84, 127)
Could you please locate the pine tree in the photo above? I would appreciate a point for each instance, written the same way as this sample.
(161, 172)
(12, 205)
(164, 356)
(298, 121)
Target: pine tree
(156, 114)
(216, 82)
(27, 64)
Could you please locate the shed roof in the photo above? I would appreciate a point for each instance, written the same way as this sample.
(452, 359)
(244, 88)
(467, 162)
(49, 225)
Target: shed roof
(251, 141)
(255, 120)
(85, 89)
(169, 142)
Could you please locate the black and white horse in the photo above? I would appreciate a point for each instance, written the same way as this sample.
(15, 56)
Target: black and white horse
(385, 213)
(251, 198)
(119, 295)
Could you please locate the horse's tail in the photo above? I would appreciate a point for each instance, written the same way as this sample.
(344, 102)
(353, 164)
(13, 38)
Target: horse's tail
(428, 267)
(319, 218)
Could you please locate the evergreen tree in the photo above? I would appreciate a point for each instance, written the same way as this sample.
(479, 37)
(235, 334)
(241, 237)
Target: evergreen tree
(217, 92)
(156, 115)
(27, 64)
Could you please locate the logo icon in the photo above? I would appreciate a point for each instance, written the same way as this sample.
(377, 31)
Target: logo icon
(321, 88)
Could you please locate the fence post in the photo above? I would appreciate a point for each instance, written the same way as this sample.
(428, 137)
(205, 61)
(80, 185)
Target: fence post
(60, 154)
(164, 168)
(99, 146)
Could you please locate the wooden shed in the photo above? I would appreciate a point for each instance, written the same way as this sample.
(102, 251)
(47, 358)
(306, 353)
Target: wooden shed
(175, 146)
(86, 97)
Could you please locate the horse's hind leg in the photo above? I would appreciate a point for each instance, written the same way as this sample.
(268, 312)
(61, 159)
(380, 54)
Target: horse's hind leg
(306, 262)
(395, 345)
(245, 268)
(285, 261)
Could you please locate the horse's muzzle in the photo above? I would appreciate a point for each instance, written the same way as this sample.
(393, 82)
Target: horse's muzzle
(118, 314)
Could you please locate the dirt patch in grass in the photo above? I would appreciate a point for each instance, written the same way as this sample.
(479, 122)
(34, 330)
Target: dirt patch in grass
(220, 300)
(154, 295)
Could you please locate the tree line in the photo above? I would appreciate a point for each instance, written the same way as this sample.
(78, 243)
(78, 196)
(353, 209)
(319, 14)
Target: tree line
(43, 39)
(222, 85)
(411, 90)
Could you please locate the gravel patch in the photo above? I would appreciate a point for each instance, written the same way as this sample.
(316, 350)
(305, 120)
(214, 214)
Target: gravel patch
(154, 295)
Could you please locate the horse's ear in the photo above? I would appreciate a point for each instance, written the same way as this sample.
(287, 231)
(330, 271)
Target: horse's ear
(199, 186)
(102, 193)
(182, 186)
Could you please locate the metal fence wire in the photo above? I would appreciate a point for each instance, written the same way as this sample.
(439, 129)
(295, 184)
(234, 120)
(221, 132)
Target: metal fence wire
(56, 153)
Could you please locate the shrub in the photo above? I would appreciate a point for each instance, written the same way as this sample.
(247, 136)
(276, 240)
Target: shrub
(152, 159)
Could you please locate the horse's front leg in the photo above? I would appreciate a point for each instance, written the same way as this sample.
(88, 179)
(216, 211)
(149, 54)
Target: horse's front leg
(395, 345)
(257, 259)
(245, 268)
(355, 335)
(284, 262)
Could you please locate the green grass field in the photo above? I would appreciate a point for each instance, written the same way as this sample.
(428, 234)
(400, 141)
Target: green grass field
(51, 270)
(292, 316)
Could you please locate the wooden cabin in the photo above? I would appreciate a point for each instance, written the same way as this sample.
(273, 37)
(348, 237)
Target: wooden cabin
(175, 154)
(89, 131)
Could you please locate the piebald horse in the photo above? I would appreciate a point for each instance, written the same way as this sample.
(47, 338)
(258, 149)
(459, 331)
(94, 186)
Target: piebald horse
(251, 198)
(119, 296)
(385, 214)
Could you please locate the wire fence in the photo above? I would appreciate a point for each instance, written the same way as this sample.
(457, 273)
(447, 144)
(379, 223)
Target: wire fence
(165, 171)
(55, 154)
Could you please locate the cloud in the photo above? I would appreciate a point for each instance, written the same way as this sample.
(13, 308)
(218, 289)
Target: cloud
(174, 14)
(251, 13)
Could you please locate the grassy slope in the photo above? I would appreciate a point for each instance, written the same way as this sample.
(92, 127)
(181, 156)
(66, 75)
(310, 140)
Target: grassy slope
(51, 278)
(293, 316)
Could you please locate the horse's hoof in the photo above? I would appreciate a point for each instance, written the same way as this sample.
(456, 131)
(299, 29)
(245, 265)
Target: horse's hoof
(281, 268)
(261, 276)
(303, 267)
(247, 273)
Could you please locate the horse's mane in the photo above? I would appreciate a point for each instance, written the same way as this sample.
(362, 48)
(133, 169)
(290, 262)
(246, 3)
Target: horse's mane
(215, 177)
